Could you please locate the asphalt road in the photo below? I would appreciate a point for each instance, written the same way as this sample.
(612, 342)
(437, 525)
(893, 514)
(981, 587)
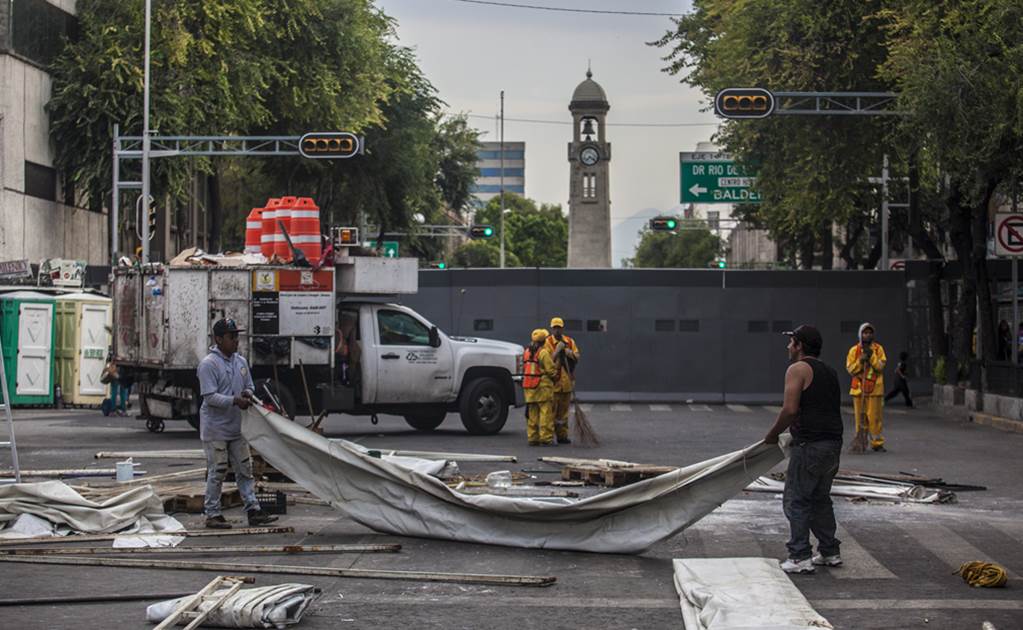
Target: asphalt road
(899, 558)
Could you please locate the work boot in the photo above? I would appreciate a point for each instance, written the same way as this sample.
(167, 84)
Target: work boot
(217, 522)
(259, 517)
(827, 561)
(564, 440)
(552, 443)
(797, 566)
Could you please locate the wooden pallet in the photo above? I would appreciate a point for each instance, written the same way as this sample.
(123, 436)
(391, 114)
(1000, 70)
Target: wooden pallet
(191, 498)
(611, 476)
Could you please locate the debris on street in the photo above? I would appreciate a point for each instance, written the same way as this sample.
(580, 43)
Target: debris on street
(224, 604)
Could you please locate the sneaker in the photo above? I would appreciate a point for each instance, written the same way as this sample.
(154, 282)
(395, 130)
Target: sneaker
(259, 517)
(564, 440)
(797, 566)
(827, 561)
(217, 522)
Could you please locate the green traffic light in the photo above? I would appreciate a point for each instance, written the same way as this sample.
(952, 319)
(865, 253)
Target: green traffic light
(442, 265)
(671, 224)
(488, 231)
(721, 264)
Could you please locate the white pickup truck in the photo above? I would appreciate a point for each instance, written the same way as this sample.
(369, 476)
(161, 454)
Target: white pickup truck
(400, 364)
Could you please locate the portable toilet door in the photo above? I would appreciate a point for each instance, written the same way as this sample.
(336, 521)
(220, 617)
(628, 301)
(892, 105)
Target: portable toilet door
(29, 327)
(83, 340)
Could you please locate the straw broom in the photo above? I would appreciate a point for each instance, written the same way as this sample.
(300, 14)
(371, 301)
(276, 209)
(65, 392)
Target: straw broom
(583, 432)
(859, 443)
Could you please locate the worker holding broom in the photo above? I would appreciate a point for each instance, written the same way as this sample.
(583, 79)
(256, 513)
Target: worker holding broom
(565, 353)
(865, 363)
(539, 373)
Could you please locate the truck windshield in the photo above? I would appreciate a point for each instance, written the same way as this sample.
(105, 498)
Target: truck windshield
(401, 329)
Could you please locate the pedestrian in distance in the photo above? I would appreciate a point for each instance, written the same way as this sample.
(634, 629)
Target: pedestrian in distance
(565, 353)
(865, 362)
(539, 372)
(812, 414)
(225, 384)
(901, 382)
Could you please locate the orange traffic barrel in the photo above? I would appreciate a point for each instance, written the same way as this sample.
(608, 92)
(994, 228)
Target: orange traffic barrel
(281, 248)
(305, 228)
(254, 231)
(270, 230)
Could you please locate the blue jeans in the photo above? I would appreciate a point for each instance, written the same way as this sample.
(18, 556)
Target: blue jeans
(218, 454)
(119, 396)
(807, 498)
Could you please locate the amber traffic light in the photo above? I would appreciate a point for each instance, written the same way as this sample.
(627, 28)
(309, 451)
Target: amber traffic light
(326, 145)
(744, 103)
(345, 237)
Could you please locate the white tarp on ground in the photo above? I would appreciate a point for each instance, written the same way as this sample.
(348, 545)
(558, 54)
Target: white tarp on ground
(136, 509)
(876, 491)
(741, 594)
(391, 499)
(264, 607)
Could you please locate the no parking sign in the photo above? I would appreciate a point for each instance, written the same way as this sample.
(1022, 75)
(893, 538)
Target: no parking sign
(1008, 234)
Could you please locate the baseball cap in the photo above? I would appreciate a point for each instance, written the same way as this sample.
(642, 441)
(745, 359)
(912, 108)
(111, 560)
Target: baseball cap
(557, 321)
(807, 335)
(225, 326)
(538, 335)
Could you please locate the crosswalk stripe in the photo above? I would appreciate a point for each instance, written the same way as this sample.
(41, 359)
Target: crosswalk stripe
(721, 543)
(898, 412)
(1012, 531)
(699, 408)
(660, 407)
(857, 563)
(621, 407)
(947, 545)
(739, 408)
(772, 408)
(586, 406)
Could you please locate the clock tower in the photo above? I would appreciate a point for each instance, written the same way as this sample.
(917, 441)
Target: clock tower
(589, 156)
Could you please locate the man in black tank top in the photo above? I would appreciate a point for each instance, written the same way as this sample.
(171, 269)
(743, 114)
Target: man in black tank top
(811, 411)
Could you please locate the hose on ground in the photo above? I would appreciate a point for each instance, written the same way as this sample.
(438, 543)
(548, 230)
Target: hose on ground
(983, 574)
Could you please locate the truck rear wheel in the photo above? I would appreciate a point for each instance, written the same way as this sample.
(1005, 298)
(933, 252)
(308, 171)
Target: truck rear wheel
(483, 406)
(426, 420)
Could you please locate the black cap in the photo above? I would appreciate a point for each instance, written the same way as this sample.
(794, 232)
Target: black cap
(809, 337)
(225, 326)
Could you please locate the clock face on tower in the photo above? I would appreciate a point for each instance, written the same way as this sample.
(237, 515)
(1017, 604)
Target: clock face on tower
(589, 156)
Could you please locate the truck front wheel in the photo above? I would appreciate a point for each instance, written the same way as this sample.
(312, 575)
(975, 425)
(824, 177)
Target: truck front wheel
(484, 406)
(426, 420)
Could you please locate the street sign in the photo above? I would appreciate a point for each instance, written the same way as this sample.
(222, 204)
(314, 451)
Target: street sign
(714, 178)
(15, 269)
(390, 248)
(1008, 234)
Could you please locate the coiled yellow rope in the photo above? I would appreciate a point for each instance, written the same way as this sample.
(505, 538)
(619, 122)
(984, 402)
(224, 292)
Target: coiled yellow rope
(984, 574)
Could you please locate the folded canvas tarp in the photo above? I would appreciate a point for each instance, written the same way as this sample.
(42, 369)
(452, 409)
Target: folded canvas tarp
(392, 499)
(741, 594)
(275, 606)
(136, 510)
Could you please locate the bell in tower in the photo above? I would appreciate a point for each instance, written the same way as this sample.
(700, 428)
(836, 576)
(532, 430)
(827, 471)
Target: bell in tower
(589, 157)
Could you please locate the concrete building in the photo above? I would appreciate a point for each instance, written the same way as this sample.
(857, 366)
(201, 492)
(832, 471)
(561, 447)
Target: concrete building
(39, 215)
(589, 157)
(488, 182)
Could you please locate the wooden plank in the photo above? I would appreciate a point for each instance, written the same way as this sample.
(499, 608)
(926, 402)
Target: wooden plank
(220, 567)
(191, 500)
(189, 604)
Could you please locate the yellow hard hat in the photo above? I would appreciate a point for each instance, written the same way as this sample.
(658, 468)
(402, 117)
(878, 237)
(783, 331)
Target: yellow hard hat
(557, 321)
(539, 334)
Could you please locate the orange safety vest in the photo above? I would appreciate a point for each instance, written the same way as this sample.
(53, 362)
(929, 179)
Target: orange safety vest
(867, 384)
(531, 370)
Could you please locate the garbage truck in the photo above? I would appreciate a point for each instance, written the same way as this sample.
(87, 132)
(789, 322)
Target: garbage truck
(396, 361)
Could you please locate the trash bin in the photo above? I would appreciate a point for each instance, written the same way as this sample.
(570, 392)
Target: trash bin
(26, 326)
(83, 326)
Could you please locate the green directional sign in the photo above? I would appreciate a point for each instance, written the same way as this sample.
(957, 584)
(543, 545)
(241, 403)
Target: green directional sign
(714, 178)
(390, 248)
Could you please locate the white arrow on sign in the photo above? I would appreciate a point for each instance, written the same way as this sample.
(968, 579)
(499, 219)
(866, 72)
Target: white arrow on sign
(697, 190)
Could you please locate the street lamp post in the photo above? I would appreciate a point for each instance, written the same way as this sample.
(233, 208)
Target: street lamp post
(502, 179)
(145, 143)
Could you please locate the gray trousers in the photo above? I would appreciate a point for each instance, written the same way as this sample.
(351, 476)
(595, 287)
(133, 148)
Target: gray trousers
(807, 498)
(218, 454)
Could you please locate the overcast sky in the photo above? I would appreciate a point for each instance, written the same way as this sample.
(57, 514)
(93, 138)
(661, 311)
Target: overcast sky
(471, 52)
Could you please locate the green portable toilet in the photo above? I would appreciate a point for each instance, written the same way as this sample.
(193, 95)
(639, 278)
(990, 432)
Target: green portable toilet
(82, 341)
(27, 332)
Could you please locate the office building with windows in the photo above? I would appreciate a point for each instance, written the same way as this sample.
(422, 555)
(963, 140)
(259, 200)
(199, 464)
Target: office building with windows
(40, 216)
(488, 181)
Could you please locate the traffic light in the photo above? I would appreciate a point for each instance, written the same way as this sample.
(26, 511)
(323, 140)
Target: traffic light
(481, 231)
(323, 145)
(151, 219)
(722, 264)
(345, 237)
(438, 264)
(744, 103)
(664, 224)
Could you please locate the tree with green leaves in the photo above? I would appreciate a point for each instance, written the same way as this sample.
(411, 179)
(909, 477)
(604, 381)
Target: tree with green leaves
(690, 248)
(536, 235)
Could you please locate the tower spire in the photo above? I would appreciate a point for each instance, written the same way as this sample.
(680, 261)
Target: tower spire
(589, 69)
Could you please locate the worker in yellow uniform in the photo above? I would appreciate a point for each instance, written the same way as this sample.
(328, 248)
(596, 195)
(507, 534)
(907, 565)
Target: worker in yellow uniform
(565, 353)
(865, 363)
(539, 372)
